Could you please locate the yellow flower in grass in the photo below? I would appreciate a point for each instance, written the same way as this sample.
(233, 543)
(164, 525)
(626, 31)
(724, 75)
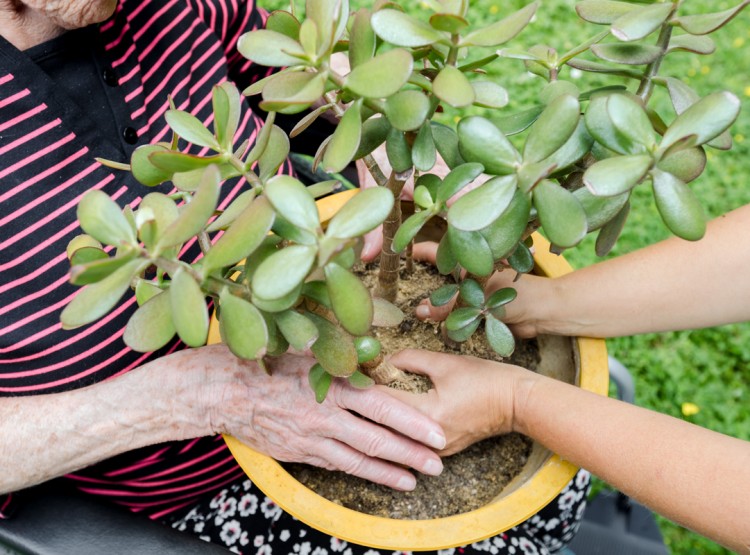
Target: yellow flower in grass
(747, 90)
(690, 409)
(494, 9)
(738, 42)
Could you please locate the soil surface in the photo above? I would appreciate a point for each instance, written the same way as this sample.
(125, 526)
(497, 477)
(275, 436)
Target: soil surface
(470, 479)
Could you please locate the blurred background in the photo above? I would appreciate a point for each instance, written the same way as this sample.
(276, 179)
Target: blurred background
(700, 376)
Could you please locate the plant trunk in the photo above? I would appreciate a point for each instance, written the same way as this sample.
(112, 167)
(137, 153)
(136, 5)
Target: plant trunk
(390, 260)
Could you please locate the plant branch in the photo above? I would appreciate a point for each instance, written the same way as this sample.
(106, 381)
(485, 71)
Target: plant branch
(389, 259)
(646, 88)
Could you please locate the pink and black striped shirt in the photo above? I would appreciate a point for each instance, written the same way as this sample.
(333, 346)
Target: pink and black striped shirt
(147, 51)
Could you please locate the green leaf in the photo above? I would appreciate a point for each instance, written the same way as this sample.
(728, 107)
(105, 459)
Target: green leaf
(603, 12)
(146, 290)
(424, 153)
(362, 39)
(679, 207)
(242, 327)
(520, 121)
(230, 214)
(472, 293)
(641, 22)
(577, 146)
(481, 141)
(505, 232)
(452, 87)
(283, 271)
(103, 219)
(407, 110)
(362, 213)
(227, 107)
(396, 27)
(283, 22)
(627, 53)
(269, 48)
(350, 299)
(611, 231)
(449, 23)
(445, 258)
(692, 43)
(409, 230)
(172, 161)
(480, 207)
(317, 292)
(274, 154)
(334, 349)
(631, 123)
(150, 327)
(617, 175)
(443, 295)
(472, 251)
(686, 164)
(446, 141)
(360, 380)
(386, 315)
(398, 150)
(299, 87)
(502, 31)
(600, 210)
(374, 132)
(501, 297)
(462, 317)
(94, 301)
(320, 382)
(188, 307)
(499, 336)
(97, 270)
(244, 236)
(291, 200)
(555, 89)
(489, 94)
(144, 169)
(286, 230)
(706, 119)
(560, 213)
(457, 179)
(599, 124)
(298, 329)
(522, 261)
(463, 334)
(281, 304)
(703, 24)
(381, 76)
(551, 131)
(191, 129)
(87, 255)
(345, 142)
(195, 214)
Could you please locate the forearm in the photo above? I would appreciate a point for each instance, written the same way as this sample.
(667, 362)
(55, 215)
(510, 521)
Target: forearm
(672, 285)
(691, 475)
(49, 435)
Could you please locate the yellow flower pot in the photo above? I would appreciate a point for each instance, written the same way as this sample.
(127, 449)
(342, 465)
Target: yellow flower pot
(581, 360)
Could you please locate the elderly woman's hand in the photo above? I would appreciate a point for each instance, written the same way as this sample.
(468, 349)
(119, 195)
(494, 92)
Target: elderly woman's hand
(364, 432)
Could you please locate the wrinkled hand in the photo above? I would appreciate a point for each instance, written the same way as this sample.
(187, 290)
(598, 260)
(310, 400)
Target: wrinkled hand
(278, 415)
(472, 399)
(517, 313)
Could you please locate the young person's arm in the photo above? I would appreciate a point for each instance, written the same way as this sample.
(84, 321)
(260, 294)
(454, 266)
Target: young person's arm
(696, 477)
(674, 284)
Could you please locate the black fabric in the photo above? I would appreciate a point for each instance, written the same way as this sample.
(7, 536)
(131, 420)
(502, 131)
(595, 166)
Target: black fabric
(57, 521)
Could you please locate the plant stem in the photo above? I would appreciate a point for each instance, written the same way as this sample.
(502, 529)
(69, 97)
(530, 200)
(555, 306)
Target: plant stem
(390, 260)
(646, 88)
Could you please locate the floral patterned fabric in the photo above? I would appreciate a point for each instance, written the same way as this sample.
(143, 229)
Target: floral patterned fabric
(243, 519)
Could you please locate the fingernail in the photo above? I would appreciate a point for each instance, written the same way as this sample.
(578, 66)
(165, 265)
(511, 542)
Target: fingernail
(406, 483)
(366, 252)
(433, 467)
(423, 312)
(436, 441)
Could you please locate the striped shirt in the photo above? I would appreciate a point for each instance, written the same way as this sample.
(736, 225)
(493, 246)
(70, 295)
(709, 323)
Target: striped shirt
(148, 51)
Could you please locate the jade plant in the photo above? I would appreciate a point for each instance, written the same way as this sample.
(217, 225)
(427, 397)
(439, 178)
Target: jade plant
(278, 277)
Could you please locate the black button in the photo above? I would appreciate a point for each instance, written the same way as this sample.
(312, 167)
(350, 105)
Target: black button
(110, 77)
(130, 135)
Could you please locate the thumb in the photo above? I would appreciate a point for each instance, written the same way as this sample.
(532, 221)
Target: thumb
(373, 244)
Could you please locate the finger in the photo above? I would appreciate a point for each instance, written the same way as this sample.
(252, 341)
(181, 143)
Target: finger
(373, 244)
(387, 411)
(335, 455)
(428, 363)
(425, 251)
(381, 443)
(426, 311)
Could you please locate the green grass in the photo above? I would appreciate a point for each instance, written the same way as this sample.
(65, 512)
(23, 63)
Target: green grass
(709, 368)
